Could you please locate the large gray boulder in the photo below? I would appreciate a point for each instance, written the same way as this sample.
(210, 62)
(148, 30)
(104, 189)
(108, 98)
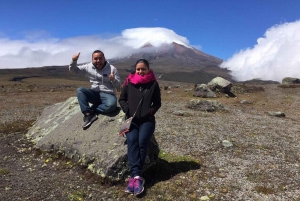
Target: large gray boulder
(203, 91)
(205, 105)
(99, 148)
(219, 83)
(290, 80)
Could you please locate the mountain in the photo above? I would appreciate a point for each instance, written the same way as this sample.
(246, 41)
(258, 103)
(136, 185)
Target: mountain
(170, 62)
(175, 62)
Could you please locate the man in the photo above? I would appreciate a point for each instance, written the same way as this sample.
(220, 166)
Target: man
(104, 80)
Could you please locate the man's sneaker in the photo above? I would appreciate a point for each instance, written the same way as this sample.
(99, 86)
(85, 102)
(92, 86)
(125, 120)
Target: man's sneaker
(130, 188)
(138, 185)
(88, 119)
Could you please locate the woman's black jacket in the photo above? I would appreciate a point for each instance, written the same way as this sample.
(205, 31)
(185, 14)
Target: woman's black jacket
(131, 95)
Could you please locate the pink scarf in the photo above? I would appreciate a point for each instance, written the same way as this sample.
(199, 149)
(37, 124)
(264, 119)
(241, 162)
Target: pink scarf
(137, 79)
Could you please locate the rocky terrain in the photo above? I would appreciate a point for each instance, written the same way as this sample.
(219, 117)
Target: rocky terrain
(239, 153)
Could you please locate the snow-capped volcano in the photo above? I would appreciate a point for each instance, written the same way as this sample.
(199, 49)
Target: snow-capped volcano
(138, 37)
(175, 62)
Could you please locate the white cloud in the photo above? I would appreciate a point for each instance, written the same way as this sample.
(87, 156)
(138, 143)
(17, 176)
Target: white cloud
(39, 49)
(275, 56)
(155, 36)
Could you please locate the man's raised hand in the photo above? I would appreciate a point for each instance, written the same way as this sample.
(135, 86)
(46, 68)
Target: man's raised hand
(75, 56)
(112, 76)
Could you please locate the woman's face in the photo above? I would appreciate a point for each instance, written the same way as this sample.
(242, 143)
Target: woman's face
(141, 69)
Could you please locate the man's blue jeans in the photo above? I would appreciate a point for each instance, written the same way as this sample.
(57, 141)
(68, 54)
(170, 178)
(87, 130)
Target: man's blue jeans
(137, 143)
(101, 102)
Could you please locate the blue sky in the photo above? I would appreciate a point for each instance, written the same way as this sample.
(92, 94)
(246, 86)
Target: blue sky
(217, 27)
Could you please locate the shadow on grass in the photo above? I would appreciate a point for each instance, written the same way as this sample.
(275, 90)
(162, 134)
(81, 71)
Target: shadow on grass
(164, 170)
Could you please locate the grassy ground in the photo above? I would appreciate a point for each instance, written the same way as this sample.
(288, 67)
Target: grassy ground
(262, 164)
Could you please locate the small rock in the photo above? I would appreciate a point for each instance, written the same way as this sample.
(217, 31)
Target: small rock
(276, 114)
(204, 198)
(227, 143)
(7, 188)
(220, 175)
(178, 113)
(245, 102)
(224, 190)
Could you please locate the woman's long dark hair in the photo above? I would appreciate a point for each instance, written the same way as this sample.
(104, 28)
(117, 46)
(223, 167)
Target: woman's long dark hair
(144, 61)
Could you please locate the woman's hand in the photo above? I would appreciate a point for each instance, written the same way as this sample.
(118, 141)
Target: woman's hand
(151, 111)
(123, 132)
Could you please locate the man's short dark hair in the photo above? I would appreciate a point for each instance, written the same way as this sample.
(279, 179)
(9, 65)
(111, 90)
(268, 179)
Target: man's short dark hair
(98, 51)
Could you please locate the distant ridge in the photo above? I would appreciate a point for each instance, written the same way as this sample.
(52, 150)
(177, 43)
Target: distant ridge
(170, 62)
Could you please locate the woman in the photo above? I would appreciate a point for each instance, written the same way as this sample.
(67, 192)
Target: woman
(140, 97)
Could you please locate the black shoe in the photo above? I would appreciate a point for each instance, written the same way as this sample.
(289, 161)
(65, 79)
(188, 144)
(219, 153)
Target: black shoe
(88, 119)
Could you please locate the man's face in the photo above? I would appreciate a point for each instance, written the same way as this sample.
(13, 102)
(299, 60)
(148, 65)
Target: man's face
(98, 60)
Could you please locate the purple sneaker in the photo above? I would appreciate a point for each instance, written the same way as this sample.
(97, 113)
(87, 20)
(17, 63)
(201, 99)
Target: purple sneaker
(130, 188)
(138, 185)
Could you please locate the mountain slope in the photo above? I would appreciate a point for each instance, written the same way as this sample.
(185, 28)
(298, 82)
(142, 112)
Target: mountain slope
(176, 62)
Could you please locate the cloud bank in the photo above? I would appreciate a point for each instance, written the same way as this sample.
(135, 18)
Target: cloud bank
(275, 56)
(38, 49)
